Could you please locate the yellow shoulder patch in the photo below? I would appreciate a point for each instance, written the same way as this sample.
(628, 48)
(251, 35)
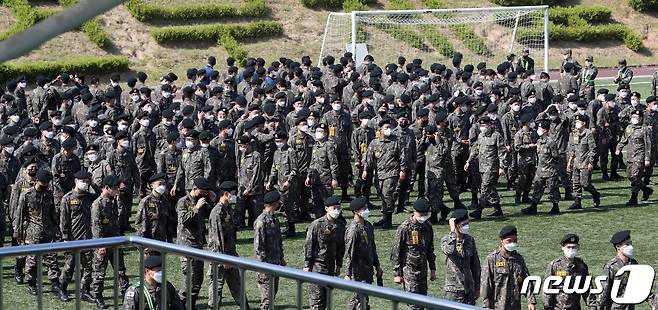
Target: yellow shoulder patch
(500, 264)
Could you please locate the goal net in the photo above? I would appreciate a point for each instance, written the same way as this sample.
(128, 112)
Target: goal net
(480, 34)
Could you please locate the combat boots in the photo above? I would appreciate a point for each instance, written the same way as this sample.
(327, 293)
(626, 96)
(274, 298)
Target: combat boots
(568, 195)
(526, 197)
(596, 197)
(646, 192)
(476, 214)
(555, 210)
(531, 210)
(32, 288)
(100, 302)
(434, 219)
(576, 204)
(517, 198)
(63, 294)
(290, 231)
(632, 201)
(86, 296)
(498, 212)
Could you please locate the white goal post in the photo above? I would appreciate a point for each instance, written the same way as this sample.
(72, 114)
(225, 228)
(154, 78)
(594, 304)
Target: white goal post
(480, 34)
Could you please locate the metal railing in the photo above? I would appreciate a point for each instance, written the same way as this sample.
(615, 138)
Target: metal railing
(242, 264)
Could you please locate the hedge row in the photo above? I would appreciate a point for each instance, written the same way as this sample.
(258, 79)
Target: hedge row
(571, 16)
(24, 15)
(437, 40)
(471, 40)
(92, 28)
(354, 5)
(332, 4)
(213, 32)
(643, 5)
(84, 65)
(524, 2)
(143, 11)
(233, 48)
(585, 33)
(434, 4)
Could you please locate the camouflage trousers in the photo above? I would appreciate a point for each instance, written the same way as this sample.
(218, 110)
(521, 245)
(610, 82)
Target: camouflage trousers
(355, 301)
(459, 159)
(582, 180)
(100, 268)
(526, 172)
(49, 259)
(85, 267)
(461, 297)
(319, 193)
(388, 193)
(253, 205)
(231, 277)
(435, 185)
(488, 192)
(564, 175)
(414, 281)
(125, 208)
(541, 183)
(265, 287)
(197, 278)
(635, 172)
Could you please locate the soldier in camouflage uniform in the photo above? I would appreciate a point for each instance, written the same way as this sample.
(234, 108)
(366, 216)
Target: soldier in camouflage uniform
(547, 169)
(35, 223)
(122, 163)
(250, 180)
(75, 224)
(152, 288)
(511, 124)
(462, 277)
(361, 259)
(193, 209)
(222, 238)
(413, 251)
(566, 265)
(489, 149)
(9, 168)
(638, 138)
(459, 125)
(64, 165)
(503, 274)
(322, 175)
(340, 129)
(623, 256)
(104, 224)
(195, 163)
(168, 161)
(154, 212)
(324, 248)
(283, 176)
(361, 137)
(525, 147)
(580, 160)
(302, 143)
(625, 73)
(586, 81)
(143, 145)
(25, 180)
(386, 159)
(268, 247)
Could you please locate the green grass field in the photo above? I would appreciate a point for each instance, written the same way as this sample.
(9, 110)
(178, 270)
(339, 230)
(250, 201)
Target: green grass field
(538, 240)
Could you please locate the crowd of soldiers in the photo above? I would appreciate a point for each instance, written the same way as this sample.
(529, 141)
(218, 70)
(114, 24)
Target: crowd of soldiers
(238, 145)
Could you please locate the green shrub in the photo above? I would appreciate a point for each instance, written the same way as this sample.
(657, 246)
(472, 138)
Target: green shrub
(143, 11)
(585, 33)
(471, 40)
(524, 2)
(212, 32)
(354, 5)
(24, 15)
(437, 40)
(83, 65)
(434, 4)
(643, 5)
(43, 13)
(572, 16)
(233, 48)
(92, 28)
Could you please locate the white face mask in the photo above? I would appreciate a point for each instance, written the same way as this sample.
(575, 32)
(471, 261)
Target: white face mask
(22, 85)
(464, 108)
(157, 276)
(540, 131)
(189, 144)
(579, 125)
(10, 150)
(50, 134)
(516, 108)
(601, 97)
(125, 143)
(122, 127)
(493, 117)
(335, 213)
(15, 118)
(511, 247)
(242, 149)
(654, 107)
(166, 94)
(365, 214)
(179, 145)
(388, 132)
(281, 103)
(160, 189)
(635, 121)
(210, 117)
(279, 144)
(627, 250)
(93, 124)
(304, 128)
(336, 107)
(364, 122)
(254, 131)
(552, 117)
(229, 131)
(311, 122)
(135, 98)
(92, 157)
(464, 230)
(623, 94)
(57, 122)
(478, 92)
(573, 106)
(422, 219)
(319, 136)
(581, 112)
(634, 102)
(232, 199)
(167, 123)
(570, 253)
(483, 128)
(145, 122)
(83, 186)
(114, 84)
(532, 100)
(204, 145)
(391, 106)
(492, 98)
(612, 104)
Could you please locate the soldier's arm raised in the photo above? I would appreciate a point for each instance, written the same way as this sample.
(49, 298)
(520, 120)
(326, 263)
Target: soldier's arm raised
(448, 244)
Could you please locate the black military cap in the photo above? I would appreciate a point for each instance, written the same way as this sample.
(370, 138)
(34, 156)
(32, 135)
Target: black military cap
(478, 84)
(44, 176)
(122, 135)
(525, 118)
(602, 91)
(172, 136)
(507, 231)
(69, 143)
(168, 113)
(5, 141)
(142, 114)
(188, 91)
(141, 75)
(430, 129)
(433, 98)
(403, 114)
(358, 203)
(244, 140)
(651, 99)
(123, 117)
(205, 135)
(551, 109)
(87, 97)
(546, 124)
(572, 98)
(332, 201)
(422, 112)
(115, 77)
(109, 94)
(492, 108)
(82, 174)
(623, 86)
(620, 237)
(192, 134)
(191, 72)
(112, 130)
(441, 116)
(272, 197)
(637, 112)
(384, 121)
(223, 124)
(511, 75)
(484, 120)
(569, 238)
(206, 108)
(157, 176)
(582, 118)
(228, 186)
(269, 107)
(166, 88)
(459, 215)
(92, 147)
(365, 114)
(421, 205)
(514, 91)
(153, 261)
(45, 125)
(28, 132)
(145, 90)
(187, 123)
(202, 183)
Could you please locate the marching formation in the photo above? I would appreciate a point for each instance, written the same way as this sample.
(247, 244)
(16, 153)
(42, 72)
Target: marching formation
(225, 149)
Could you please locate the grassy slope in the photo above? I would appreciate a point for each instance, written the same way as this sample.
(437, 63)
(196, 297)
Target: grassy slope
(538, 239)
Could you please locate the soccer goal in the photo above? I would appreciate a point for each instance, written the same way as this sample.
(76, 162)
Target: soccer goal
(480, 34)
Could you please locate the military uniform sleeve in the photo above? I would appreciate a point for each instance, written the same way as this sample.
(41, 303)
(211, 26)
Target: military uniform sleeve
(405, 158)
(136, 177)
(259, 241)
(19, 232)
(502, 150)
(207, 164)
(397, 255)
(340, 246)
(65, 219)
(431, 257)
(350, 236)
(140, 220)
(448, 244)
(623, 141)
(309, 247)
(185, 214)
(647, 144)
(180, 174)
(476, 268)
(524, 274)
(255, 178)
(591, 143)
(333, 160)
(272, 177)
(369, 162)
(487, 285)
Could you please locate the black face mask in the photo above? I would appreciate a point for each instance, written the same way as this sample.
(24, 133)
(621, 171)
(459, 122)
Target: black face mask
(32, 173)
